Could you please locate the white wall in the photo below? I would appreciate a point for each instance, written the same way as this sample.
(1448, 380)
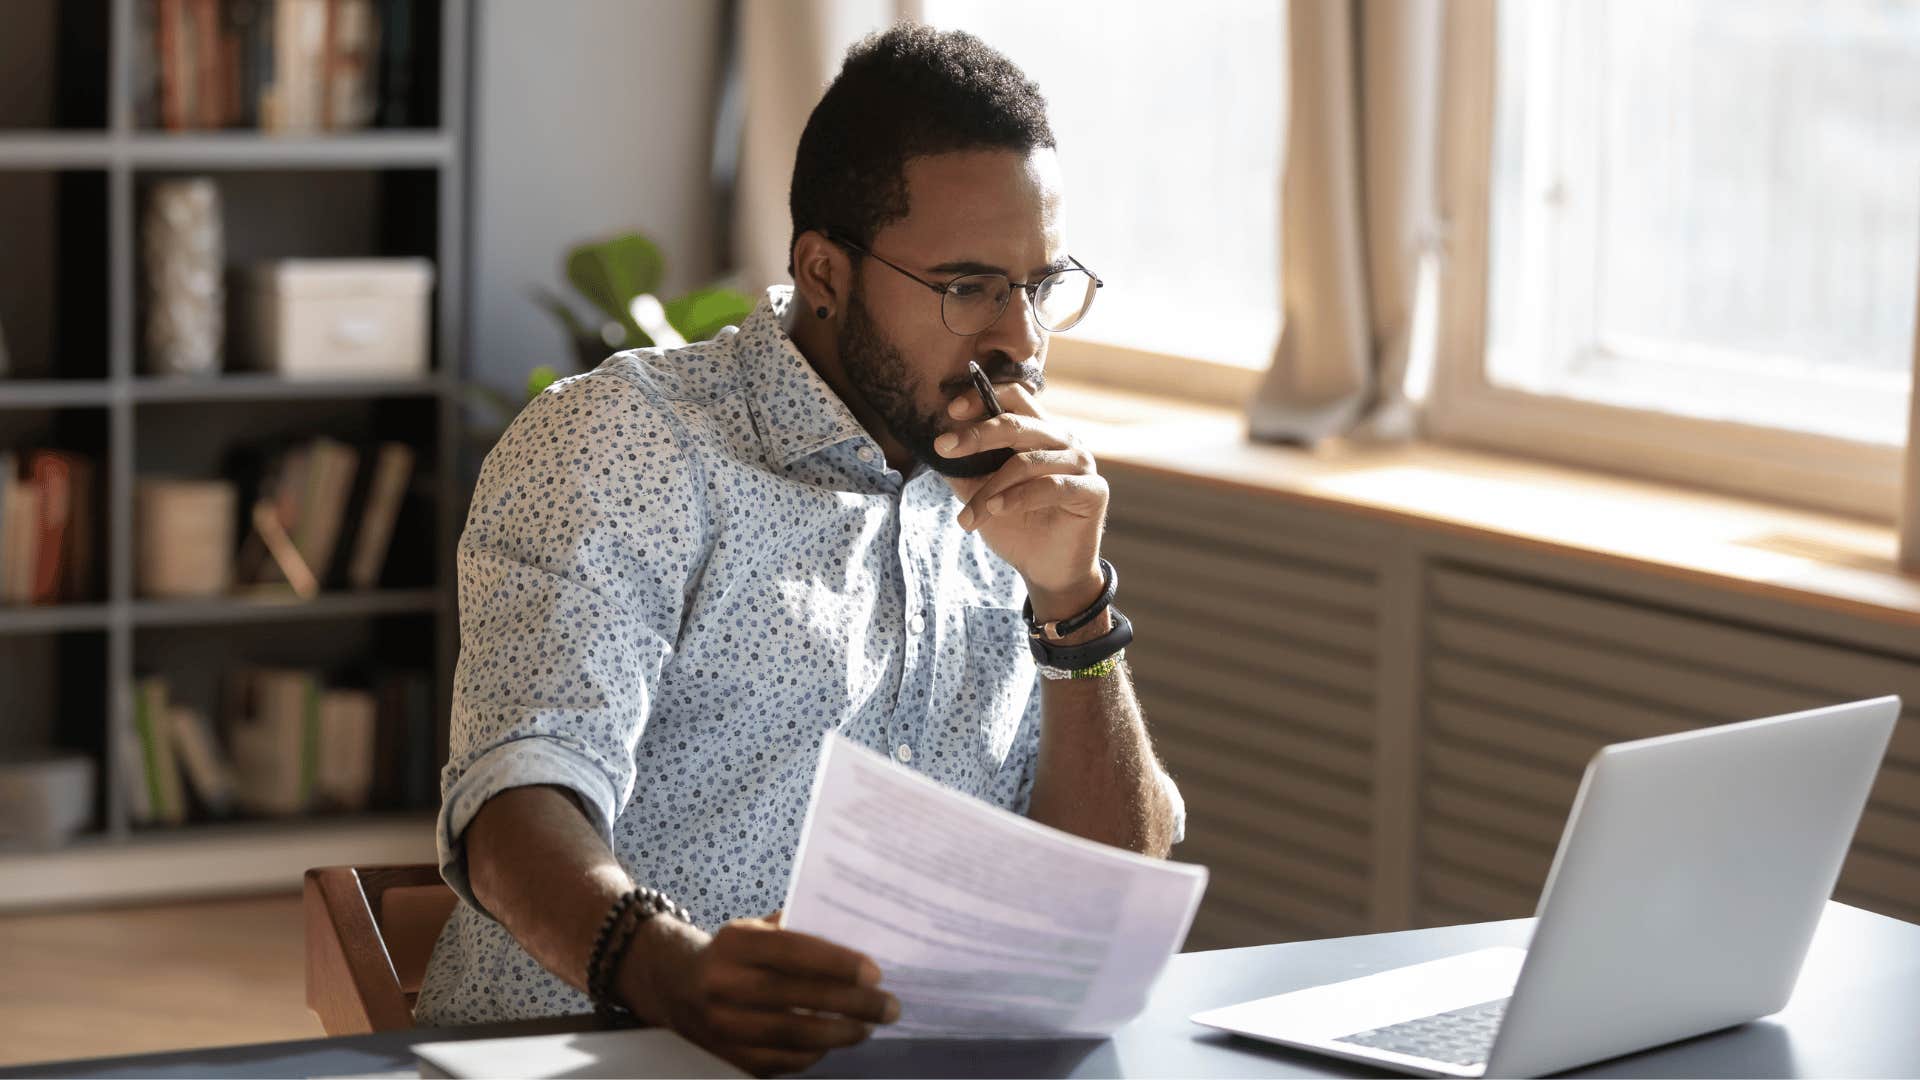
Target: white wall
(589, 117)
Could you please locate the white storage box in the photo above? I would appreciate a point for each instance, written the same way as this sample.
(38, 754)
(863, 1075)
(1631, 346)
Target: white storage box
(45, 798)
(337, 318)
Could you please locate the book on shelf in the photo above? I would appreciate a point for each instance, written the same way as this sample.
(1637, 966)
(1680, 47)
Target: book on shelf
(330, 511)
(202, 761)
(300, 746)
(46, 527)
(161, 769)
(277, 719)
(350, 73)
(324, 488)
(166, 99)
(171, 750)
(209, 58)
(52, 481)
(130, 766)
(168, 750)
(78, 557)
(286, 66)
(294, 746)
(343, 766)
(377, 510)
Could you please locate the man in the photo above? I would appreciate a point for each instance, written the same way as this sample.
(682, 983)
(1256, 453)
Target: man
(681, 570)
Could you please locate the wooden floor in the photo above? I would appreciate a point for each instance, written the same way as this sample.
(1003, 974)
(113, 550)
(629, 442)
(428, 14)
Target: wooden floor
(166, 977)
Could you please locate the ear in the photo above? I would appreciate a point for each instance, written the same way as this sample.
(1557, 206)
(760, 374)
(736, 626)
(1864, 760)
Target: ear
(822, 273)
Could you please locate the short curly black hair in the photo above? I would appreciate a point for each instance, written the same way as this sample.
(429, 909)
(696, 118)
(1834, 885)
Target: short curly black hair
(902, 93)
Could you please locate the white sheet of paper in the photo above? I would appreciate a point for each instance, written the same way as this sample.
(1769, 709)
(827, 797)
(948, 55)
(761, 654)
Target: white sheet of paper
(645, 1052)
(983, 923)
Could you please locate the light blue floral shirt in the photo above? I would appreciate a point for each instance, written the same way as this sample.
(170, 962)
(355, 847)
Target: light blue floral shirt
(679, 572)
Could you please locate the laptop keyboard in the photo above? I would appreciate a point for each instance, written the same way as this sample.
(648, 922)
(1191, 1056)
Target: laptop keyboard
(1460, 1037)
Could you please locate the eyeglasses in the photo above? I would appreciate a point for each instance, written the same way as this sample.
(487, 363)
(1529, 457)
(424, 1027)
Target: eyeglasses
(971, 303)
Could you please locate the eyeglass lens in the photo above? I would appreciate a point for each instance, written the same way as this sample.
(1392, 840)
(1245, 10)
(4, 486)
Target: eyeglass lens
(974, 302)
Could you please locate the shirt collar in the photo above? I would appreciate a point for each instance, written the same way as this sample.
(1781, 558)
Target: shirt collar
(795, 410)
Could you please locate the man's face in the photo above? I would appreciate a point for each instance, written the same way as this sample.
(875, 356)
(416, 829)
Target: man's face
(970, 212)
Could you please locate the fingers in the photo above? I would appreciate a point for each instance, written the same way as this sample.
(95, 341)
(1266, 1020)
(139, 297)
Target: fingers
(1081, 496)
(795, 954)
(1021, 433)
(986, 499)
(762, 988)
(770, 1062)
(765, 968)
(772, 1030)
(774, 1000)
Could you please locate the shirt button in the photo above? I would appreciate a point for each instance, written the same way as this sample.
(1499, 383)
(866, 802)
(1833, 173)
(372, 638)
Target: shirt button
(916, 625)
(865, 453)
(904, 753)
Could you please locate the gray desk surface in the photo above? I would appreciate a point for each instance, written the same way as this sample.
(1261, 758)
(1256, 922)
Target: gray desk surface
(1853, 1014)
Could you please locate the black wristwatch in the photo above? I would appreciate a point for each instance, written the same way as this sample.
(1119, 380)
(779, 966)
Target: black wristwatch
(1087, 660)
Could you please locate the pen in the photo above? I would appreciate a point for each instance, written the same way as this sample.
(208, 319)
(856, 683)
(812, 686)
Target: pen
(985, 386)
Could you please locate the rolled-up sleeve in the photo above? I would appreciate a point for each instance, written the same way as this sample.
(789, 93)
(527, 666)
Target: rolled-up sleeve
(574, 563)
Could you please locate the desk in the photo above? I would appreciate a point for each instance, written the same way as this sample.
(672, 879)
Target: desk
(1853, 1014)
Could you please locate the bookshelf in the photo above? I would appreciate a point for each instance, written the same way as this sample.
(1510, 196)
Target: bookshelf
(77, 154)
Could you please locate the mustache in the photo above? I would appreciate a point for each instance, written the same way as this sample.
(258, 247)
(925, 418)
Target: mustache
(1032, 376)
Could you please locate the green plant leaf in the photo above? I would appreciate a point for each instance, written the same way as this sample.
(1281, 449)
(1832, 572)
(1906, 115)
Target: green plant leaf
(702, 313)
(612, 272)
(539, 379)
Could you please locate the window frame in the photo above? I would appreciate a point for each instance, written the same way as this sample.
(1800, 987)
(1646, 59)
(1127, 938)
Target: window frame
(1465, 407)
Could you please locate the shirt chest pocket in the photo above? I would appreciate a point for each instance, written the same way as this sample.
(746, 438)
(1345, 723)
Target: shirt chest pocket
(995, 680)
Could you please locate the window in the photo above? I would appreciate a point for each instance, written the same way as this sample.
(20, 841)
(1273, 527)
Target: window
(1702, 238)
(1170, 129)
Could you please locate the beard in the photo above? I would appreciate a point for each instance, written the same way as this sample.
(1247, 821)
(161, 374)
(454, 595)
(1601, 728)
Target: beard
(879, 372)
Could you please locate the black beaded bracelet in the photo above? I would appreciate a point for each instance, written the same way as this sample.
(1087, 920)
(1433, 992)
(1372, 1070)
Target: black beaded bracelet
(597, 971)
(617, 932)
(1059, 628)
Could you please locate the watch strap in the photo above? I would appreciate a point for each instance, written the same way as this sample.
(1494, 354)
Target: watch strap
(1093, 671)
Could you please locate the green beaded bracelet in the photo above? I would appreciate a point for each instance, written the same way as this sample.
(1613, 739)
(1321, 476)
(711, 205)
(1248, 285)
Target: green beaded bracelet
(1099, 670)
(1096, 670)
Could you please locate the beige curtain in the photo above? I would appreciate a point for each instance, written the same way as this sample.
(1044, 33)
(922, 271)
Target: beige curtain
(1357, 218)
(789, 51)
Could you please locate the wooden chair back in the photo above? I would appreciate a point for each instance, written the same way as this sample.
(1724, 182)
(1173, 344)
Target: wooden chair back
(370, 930)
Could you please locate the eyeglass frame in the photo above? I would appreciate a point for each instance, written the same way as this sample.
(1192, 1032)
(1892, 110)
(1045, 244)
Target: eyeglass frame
(1031, 288)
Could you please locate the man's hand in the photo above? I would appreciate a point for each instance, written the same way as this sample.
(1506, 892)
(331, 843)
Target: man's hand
(767, 999)
(1043, 510)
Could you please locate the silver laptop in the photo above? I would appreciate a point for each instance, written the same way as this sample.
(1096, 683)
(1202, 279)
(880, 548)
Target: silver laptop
(1689, 880)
